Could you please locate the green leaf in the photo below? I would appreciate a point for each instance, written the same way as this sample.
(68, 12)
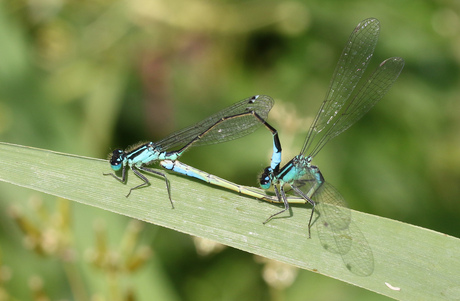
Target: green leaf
(409, 262)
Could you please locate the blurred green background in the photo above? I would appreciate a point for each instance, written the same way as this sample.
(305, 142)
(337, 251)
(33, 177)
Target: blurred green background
(85, 77)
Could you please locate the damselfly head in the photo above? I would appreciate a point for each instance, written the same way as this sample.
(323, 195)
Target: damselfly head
(265, 179)
(116, 159)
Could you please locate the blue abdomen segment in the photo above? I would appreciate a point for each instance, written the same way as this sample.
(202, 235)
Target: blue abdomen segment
(167, 164)
(276, 157)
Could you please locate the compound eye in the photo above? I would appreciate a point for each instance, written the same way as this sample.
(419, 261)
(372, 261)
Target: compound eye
(116, 159)
(265, 179)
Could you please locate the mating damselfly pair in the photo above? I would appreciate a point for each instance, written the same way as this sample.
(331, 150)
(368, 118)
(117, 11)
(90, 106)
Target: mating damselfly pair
(339, 110)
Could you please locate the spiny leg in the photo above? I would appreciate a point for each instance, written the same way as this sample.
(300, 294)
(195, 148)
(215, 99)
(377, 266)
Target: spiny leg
(147, 182)
(312, 203)
(285, 201)
(123, 175)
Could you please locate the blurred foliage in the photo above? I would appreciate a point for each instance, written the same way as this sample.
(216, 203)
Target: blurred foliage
(85, 77)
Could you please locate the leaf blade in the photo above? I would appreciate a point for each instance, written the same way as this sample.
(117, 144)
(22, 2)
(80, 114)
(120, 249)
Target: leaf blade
(426, 268)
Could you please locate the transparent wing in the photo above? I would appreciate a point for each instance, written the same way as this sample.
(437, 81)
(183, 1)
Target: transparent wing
(360, 259)
(349, 70)
(231, 128)
(375, 87)
(332, 208)
(336, 231)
